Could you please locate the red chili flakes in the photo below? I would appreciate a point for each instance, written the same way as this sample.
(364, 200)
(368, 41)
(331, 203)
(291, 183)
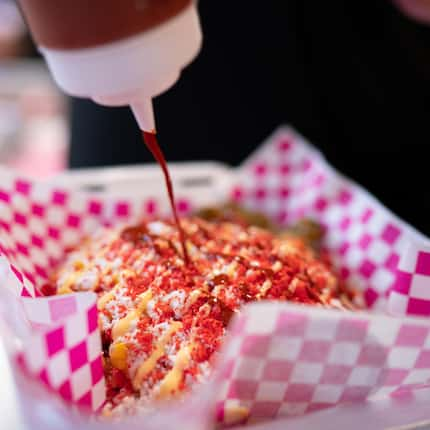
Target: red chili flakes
(118, 385)
(301, 293)
(229, 265)
(161, 368)
(206, 337)
(138, 284)
(188, 322)
(121, 309)
(106, 313)
(164, 310)
(144, 339)
(48, 290)
(134, 234)
(279, 290)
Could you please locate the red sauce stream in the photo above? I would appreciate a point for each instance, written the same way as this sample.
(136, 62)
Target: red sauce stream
(151, 142)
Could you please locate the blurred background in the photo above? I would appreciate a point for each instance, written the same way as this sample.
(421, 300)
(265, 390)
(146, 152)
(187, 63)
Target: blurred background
(33, 117)
(352, 77)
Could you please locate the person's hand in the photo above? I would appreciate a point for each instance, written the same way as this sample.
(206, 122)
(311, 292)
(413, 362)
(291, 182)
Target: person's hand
(418, 10)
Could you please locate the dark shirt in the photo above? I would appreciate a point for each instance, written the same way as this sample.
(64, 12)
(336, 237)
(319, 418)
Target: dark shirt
(351, 76)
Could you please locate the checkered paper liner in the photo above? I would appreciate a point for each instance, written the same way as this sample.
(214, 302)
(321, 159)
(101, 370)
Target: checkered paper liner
(355, 356)
(404, 411)
(410, 294)
(66, 357)
(284, 360)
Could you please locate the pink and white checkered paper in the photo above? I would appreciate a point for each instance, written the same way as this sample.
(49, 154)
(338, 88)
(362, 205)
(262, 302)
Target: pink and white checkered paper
(284, 360)
(288, 180)
(410, 294)
(279, 359)
(407, 411)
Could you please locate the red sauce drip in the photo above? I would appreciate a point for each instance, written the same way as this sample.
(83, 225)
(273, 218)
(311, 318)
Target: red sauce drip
(221, 279)
(225, 314)
(134, 234)
(246, 294)
(151, 142)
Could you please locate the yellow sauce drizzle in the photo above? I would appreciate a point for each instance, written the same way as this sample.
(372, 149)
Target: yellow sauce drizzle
(149, 364)
(192, 298)
(123, 325)
(171, 381)
(66, 287)
(107, 297)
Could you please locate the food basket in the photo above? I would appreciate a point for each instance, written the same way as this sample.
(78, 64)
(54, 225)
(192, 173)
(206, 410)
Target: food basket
(279, 359)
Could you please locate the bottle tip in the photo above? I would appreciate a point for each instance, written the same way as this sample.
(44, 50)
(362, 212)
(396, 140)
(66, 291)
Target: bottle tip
(143, 111)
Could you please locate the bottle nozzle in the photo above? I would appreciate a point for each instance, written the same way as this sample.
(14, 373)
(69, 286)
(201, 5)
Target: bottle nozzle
(143, 111)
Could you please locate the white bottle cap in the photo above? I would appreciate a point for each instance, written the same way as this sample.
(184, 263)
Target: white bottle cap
(130, 71)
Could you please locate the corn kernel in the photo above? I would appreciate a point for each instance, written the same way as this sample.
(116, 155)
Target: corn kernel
(64, 289)
(118, 355)
(235, 414)
(78, 265)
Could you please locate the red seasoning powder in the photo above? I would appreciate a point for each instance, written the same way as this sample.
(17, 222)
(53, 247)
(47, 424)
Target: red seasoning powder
(162, 321)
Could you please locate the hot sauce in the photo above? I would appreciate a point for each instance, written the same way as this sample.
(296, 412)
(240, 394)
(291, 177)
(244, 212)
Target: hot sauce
(151, 142)
(65, 24)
